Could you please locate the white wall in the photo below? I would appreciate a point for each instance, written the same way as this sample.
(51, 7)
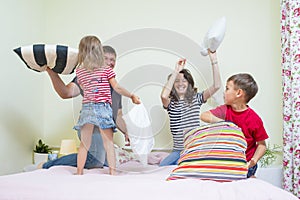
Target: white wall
(149, 37)
(21, 102)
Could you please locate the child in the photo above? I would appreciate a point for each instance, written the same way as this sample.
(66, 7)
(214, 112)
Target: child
(180, 98)
(240, 89)
(95, 79)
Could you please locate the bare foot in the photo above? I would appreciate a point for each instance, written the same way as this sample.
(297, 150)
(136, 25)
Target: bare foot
(40, 165)
(79, 172)
(112, 171)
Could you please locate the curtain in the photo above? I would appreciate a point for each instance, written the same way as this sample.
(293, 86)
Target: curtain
(290, 51)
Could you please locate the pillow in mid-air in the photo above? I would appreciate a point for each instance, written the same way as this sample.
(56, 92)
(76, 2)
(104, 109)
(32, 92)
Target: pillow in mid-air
(214, 36)
(61, 59)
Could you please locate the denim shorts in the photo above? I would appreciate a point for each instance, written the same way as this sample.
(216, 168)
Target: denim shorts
(99, 114)
(251, 171)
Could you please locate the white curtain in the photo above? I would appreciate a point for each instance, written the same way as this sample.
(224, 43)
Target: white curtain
(290, 51)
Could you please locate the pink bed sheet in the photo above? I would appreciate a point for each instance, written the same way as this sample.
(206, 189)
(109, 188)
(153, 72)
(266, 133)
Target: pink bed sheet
(134, 182)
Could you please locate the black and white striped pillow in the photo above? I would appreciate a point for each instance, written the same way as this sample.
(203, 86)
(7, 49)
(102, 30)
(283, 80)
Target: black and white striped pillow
(61, 59)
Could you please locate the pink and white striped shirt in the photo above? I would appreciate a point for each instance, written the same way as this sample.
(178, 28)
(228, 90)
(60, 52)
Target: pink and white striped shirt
(95, 84)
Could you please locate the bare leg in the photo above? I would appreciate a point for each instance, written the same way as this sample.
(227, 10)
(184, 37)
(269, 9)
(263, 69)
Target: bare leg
(107, 136)
(86, 138)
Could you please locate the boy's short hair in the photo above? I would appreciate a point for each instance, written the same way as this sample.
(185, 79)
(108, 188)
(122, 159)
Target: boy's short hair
(245, 82)
(109, 49)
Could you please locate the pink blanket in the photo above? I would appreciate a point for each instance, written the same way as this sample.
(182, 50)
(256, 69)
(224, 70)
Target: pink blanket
(134, 182)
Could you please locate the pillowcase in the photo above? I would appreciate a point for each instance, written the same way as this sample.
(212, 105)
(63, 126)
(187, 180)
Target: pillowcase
(213, 152)
(61, 59)
(122, 156)
(140, 132)
(214, 36)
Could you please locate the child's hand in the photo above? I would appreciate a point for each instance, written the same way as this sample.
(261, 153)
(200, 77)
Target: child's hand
(135, 99)
(251, 163)
(213, 57)
(180, 64)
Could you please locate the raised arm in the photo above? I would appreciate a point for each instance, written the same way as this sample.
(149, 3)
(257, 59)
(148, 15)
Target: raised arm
(122, 91)
(166, 91)
(63, 90)
(216, 76)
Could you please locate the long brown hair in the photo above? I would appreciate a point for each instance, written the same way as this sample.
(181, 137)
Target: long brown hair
(191, 90)
(90, 54)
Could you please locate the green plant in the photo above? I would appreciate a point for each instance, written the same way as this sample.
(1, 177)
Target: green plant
(270, 155)
(41, 147)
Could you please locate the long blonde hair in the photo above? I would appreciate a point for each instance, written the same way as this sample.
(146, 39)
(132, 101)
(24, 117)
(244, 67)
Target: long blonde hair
(90, 54)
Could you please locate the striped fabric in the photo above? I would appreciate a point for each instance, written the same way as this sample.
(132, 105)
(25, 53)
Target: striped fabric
(61, 59)
(95, 84)
(184, 116)
(213, 152)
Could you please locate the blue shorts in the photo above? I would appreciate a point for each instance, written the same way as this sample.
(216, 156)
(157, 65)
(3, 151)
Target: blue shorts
(99, 114)
(251, 171)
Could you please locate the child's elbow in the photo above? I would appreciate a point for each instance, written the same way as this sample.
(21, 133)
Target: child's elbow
(203, 117)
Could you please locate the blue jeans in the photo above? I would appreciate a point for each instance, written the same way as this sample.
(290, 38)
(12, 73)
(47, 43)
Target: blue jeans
(171, 159)
(251, 171)
(71, 160)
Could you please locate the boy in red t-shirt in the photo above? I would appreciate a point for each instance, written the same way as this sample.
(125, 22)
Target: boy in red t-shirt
(240, 89)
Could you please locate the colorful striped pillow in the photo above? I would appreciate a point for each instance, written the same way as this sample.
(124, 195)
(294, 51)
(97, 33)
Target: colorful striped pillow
(213, 152)
(61, 59)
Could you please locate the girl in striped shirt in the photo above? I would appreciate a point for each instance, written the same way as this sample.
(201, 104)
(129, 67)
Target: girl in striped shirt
(95, 80)
(182, 101)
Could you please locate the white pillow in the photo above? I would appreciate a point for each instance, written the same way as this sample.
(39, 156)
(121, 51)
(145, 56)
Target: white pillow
(61, 59)
(214, 36)
(140, 132)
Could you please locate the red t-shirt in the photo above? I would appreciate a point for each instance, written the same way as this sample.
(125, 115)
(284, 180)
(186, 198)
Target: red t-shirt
(250, 123)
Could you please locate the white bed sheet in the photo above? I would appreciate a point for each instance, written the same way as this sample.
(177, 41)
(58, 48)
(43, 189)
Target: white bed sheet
(134, 182)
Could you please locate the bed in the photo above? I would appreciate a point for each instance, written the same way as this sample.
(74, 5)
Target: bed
(212, 166)
(134, 181)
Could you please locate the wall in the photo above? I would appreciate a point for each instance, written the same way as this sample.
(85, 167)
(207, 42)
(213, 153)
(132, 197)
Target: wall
(21, 102)
(149, 37)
